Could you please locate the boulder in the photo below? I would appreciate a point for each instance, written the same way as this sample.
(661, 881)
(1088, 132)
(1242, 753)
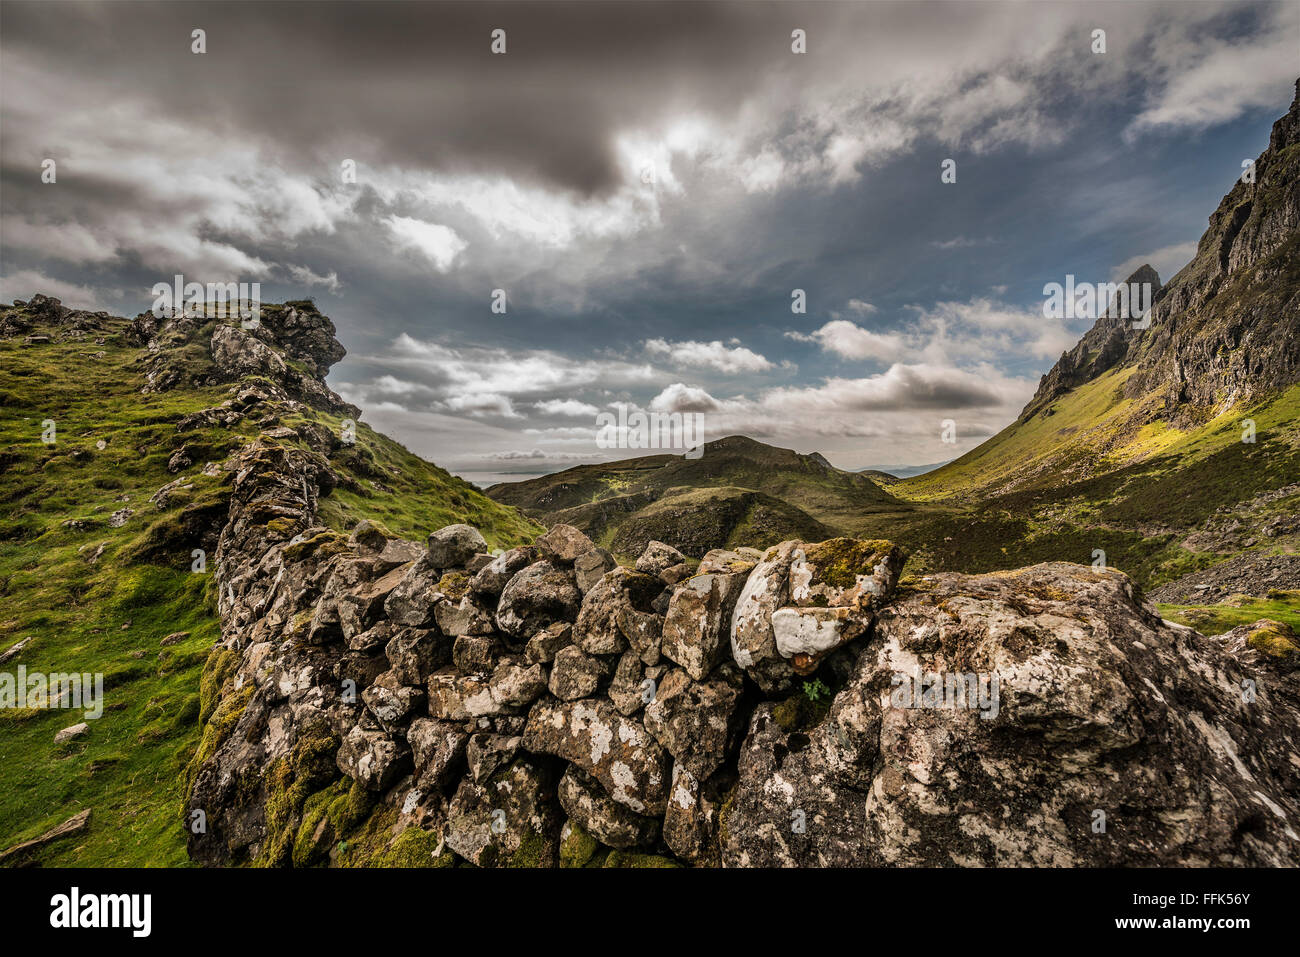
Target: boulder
(697, 628)
(590, 567)
(597, 629)
(543, 646)
(753, 643)
(475, 654)
(373, 758)
(454, 545)
(576, 674)
(437, 748)
(489, 580)
(563, 544)
(538, 595)
(1040, 717)
(658, 557)
(609, 822)
(616, 751)
(696, 721)
(415, 653)
(512, 819)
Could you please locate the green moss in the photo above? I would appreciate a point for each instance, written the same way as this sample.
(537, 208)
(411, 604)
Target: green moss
(799, 712)
(534, 851)
(840, 561)
(455, 585)
(289, 782)
(578, 848)
(320, 546)
(628, 859)
(224, 717)
(414, 848)
(1275, 639)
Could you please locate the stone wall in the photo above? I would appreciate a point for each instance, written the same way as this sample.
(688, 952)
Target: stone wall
(377, 700)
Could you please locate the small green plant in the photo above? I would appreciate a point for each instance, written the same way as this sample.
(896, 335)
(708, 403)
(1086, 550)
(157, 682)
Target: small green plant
(815, 690)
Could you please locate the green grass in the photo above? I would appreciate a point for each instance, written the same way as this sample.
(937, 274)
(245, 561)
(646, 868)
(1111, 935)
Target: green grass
(1237, 610)
(130, 767)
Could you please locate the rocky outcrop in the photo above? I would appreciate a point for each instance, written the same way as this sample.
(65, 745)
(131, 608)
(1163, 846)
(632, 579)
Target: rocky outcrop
(797, 707)
(290, 348)
(1226, 329)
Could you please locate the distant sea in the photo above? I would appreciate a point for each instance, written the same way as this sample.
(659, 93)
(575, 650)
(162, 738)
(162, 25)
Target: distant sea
(485, 479)
(904, 471)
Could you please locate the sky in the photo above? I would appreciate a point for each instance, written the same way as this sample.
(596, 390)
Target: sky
(645, 187)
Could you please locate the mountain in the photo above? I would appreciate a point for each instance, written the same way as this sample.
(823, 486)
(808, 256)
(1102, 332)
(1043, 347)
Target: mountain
(102, 528)
(1171, 448)
(756, 495)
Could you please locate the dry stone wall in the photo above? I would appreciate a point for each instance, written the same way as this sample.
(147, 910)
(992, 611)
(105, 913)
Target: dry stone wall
(546, 705)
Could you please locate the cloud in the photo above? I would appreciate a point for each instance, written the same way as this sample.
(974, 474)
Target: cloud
(479, 404)
(901, 387)
(570, 407)
(439, 244)
(729, 359)
(1166, 261)
(1210, 76)
(851, 341)
(308, 278)
(962, 242)
(26, 283)
(683, 398)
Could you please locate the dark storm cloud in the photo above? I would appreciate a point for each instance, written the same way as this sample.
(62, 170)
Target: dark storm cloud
(522, 172)
(415, 83)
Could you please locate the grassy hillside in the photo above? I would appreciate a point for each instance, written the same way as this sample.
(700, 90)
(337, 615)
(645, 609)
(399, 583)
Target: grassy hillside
(624, 503)
(95, 596)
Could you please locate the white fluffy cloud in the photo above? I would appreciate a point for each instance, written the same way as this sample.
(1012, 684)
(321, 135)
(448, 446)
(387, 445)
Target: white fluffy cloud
(437, 243)
(729, 358)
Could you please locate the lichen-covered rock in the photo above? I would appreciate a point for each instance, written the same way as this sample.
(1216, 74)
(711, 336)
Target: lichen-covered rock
(475, 654)
(537, 596)
(511, 820)
(373, 758)
(457, 697)
(753, 643)
(590, 567)
(586, 802)
(634, 683)
(412, 600)
(845, 572)
(807, 635)
(489, 580)
(390, 701)
(697, 628)
(563, 544)
(415, 653)
(546, 644)
(658, 557)
(463, 617)
(1108, 737)
(643, 631)
(576, 674)
(696, 721)
(617, 751)
(453, 546)
(486, 753)
(437, 748)
(597, 629)
(690, 827)
(517, 684)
